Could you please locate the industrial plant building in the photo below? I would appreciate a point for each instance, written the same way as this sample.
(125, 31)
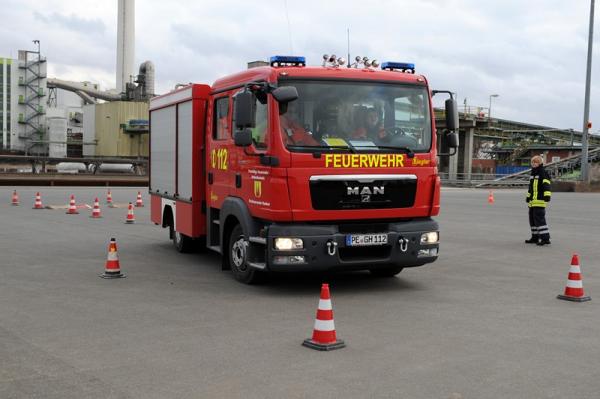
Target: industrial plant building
(58, 118)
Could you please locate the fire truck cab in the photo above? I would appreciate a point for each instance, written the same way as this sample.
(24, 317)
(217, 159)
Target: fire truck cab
(288, 168)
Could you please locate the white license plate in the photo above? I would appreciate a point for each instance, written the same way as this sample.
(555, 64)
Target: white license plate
(364, 240)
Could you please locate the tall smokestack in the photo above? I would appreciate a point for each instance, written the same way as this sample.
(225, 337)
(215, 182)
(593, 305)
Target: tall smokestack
(125, 42)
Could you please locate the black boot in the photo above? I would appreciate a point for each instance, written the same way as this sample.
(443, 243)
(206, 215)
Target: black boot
(532, 240)
(545, 241)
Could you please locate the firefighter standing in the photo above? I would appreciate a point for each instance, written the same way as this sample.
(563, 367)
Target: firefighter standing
(538, 195)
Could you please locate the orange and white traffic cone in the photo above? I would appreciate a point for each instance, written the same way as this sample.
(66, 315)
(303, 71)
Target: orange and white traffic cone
(38, 201)
(574, 288)
(491, 197)
(112, 269)
(138, 202)
(72, 207)
(109, 201)
(324, 337)
(15, 199)
(130, 216)
(96, 211)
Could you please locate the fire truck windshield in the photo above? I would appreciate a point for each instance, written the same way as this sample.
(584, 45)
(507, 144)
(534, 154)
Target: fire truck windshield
(356, 116)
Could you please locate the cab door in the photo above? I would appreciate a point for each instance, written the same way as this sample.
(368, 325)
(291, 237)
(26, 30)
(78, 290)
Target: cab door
(253, 178)
(220, 148)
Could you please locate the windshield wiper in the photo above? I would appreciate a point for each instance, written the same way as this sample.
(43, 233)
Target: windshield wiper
(408, 151)
(322, 147)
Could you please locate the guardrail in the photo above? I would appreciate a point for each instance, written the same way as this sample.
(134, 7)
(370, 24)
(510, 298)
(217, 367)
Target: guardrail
(80, 179)
(480, 180)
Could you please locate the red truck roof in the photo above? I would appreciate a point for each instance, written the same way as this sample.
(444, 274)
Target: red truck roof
(181, 94)
(271, 73)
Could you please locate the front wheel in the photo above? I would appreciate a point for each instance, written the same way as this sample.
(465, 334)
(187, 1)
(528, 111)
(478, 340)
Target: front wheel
(238, 258)
(389, 271)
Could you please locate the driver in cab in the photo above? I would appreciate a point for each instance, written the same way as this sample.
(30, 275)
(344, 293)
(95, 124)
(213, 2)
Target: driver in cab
(373, 128)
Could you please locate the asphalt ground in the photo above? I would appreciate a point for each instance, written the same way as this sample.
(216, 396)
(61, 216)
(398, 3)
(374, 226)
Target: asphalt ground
(481, 322)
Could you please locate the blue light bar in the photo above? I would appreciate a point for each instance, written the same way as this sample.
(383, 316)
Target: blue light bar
(287, 60)
(401, 66)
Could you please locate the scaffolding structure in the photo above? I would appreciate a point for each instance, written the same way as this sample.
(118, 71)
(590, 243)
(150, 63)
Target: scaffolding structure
(32, 110)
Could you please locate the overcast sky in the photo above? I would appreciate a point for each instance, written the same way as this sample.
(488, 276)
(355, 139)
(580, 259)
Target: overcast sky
(532, 53)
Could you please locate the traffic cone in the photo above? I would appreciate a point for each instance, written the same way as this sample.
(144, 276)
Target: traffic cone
(491, 197)
(38, 201)
(130, 216)
(324, 338)
(574, 288)
(109, 199)
(112, 269)
(138, 202)
(15, 199)
(72, 207)
(96, 211)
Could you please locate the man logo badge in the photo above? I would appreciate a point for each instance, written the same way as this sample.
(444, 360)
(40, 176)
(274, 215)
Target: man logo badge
(365, 192)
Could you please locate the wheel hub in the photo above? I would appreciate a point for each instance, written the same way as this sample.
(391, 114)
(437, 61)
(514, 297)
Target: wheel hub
(238, 254)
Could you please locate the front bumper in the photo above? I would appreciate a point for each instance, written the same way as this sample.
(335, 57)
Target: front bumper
(403, 249)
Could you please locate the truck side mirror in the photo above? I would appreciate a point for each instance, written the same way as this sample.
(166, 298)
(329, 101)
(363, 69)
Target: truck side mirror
(243, 138)
(245, 109)
(285, 94)
(452, 115)
(452, 140)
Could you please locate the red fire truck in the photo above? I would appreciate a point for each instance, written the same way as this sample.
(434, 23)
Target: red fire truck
(287, 167)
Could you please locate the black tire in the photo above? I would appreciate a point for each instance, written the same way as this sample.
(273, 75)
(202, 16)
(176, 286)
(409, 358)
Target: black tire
(236, 255)
(389, 271)
(182, 243)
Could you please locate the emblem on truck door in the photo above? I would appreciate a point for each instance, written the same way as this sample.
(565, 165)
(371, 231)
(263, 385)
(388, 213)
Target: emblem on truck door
(257, 188)
(365, 192)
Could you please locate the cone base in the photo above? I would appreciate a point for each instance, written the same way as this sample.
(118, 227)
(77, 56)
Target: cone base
(109, 276)
(139, 206)
(129, 221)
(574, 298)
(95, 217)
(309, 343)
(15, 204)
(38, 207)
(72, 213)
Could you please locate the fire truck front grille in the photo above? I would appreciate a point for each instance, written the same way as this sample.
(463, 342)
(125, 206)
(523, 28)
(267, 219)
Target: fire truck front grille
(364, 253)
(334, 193)
(363, 228)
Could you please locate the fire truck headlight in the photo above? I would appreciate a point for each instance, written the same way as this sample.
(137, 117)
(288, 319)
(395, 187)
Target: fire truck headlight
(287, 244)
(430, 238)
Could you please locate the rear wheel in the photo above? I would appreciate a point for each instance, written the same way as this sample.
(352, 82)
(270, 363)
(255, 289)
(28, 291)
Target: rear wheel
(238, 259)
(389, 271)
(181, 242)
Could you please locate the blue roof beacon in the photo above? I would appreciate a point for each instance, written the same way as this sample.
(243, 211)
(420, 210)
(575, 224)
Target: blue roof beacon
(398, 66)
(287, 60)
